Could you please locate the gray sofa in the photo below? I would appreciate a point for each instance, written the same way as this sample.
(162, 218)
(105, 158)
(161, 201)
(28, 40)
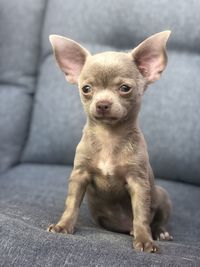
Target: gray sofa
(41, 120)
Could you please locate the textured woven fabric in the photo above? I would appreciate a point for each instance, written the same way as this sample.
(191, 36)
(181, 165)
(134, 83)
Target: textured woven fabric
(32, 196)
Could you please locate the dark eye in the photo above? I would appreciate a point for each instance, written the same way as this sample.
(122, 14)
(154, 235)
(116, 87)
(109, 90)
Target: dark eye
(86, 89)
(125, 88)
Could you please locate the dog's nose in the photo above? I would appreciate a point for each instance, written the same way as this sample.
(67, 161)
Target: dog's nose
(103, 106)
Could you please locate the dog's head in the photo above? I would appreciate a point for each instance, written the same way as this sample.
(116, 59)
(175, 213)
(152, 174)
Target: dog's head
(111, 83)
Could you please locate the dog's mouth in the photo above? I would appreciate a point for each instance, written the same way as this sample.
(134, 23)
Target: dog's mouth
(106, 119)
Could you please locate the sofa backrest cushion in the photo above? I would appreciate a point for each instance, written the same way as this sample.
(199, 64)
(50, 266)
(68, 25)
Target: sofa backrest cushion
(170, 111)
(20, 28)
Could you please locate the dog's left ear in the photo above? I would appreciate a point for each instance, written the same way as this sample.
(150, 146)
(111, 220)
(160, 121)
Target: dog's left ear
(150, 56)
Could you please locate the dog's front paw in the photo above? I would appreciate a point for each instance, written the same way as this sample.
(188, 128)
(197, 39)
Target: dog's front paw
(57, 228)
(145, 245)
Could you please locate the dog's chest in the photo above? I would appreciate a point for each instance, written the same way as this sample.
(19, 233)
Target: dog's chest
(109, 164)
(106, 167)
(107, 180)
(107, 177)
(106, 159)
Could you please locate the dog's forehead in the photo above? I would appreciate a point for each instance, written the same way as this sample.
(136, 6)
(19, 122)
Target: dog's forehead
(108, 65)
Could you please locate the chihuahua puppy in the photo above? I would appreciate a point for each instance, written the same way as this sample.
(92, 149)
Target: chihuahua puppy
(111, 162)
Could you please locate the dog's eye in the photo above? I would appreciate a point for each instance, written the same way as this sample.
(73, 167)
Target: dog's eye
(124, 88)
(86, 89)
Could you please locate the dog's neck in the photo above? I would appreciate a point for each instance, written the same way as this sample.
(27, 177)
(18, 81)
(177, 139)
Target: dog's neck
(122, 130)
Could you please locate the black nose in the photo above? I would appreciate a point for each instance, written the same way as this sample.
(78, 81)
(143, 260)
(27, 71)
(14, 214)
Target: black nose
(103, 106)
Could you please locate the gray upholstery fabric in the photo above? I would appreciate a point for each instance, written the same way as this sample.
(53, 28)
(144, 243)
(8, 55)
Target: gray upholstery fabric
(20, 24)
(123, 23)
(32, 196)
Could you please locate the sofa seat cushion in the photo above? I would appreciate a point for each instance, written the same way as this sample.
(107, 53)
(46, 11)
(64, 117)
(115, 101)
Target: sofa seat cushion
(32, 196)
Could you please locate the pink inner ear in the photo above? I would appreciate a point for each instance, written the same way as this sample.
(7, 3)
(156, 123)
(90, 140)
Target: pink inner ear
(72, 63)
(151, 65)
(70, 56)
(150, 56)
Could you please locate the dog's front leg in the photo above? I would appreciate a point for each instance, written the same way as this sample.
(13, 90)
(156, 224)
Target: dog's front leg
(140, 193)
(77, 185)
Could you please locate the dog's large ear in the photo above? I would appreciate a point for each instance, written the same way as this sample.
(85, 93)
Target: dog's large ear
(70, 56)
(150, 56)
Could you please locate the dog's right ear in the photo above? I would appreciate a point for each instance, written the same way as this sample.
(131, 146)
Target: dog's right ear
(70, 56)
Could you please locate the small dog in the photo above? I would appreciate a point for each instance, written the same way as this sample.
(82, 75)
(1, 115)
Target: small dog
(111, 161)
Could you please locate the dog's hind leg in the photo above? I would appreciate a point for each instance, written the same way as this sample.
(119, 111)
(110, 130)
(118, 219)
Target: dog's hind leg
(161, 217)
